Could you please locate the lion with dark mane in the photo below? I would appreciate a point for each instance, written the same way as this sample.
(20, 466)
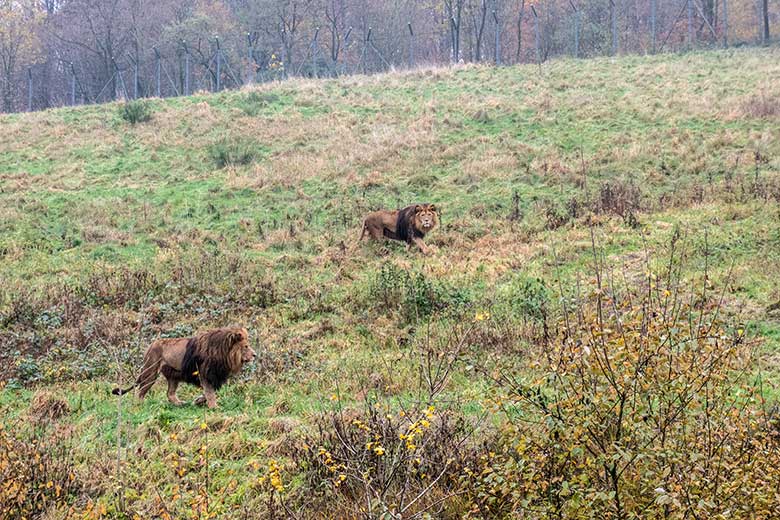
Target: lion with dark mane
(409, 225)
(206, 360)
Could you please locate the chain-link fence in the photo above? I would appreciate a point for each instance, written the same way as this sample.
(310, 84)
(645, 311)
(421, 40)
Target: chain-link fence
(578, 29)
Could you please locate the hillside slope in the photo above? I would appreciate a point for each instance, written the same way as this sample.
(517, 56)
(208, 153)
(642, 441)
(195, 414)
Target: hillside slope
(246, 207)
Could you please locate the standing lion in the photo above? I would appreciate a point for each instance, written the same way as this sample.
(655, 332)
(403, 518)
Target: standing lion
(205, 360)
(409, 225)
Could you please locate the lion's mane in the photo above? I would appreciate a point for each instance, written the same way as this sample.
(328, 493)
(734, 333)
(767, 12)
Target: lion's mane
(407, 225)
(214, 355)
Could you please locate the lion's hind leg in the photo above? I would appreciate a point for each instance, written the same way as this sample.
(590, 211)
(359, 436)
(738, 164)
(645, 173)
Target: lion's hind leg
(148, 374)
(174, 377)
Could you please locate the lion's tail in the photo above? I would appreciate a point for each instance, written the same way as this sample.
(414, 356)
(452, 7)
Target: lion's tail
(119, 391)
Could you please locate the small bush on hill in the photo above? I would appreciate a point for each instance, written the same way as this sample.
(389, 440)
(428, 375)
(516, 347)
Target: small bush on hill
(136, 111)
(414, 294)
(36, 474)
(384, 464)
(233, 152)
(636, 405)
(252, 103)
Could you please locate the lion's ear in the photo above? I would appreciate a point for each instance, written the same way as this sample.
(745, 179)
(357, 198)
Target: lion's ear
(417, 208)
(235, 337)
(433, 207)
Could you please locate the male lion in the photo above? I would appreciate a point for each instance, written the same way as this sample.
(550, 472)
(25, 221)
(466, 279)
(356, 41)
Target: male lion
(205, 360)
(409, 225)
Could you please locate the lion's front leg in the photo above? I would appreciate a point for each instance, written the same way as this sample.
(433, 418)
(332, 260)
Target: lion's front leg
(209, 394)
(419, 243)
(172, 385)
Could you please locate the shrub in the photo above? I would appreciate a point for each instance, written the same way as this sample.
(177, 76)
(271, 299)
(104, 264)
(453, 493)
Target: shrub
(414, 294)
(620, 198)
(36, 474)
(233, 153)
(397, 464)
(530, 299)
(136, 111)
(252, 103)
(638, 406)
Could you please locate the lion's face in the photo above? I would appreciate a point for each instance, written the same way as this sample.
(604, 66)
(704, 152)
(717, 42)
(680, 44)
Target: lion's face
(425, 217)
(241, 345)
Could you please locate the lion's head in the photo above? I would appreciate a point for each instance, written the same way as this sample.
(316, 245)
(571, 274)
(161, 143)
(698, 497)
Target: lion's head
(237, 343)
(426, 217)
(219, 353)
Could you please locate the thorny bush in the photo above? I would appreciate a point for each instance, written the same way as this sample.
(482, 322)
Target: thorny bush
(637, 406)
(415, 295)
(35, 473)
(381, 463)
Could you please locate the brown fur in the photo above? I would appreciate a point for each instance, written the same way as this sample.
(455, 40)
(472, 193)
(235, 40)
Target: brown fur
(409, 225)
(205, 360)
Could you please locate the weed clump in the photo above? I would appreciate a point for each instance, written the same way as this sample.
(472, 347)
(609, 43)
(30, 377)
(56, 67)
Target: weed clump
(761, 106)
(36, 473)
(233, 153)
(398, 462)
(620, 198)
(136, 111)
(254, 102)
(414, 294)
(631, 389)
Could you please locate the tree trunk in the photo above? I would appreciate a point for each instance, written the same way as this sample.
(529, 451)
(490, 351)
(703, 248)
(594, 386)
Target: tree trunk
(765, 13)
(481, 29)
(7, 97)
(520, 31)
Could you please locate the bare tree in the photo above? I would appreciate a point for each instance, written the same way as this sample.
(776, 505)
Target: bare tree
(765, 16)
(19, 43)
(454, 10)
(520, 13)
(98, 30)
(336, 14)
(478, 16)
(289, 17)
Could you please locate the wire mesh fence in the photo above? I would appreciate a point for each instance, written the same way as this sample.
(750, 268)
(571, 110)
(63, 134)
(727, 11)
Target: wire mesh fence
(577, 29)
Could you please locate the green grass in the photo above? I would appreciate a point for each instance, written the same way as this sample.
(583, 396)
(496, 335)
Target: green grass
(270, 241)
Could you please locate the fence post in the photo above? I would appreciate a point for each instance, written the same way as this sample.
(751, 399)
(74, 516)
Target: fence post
(725, 24)
(29, 89)
(121, 79)
(250, 77)
(497, 46)
(538, 43)
(219, 65)
(411, 44)
(315, 53)
(576, 29)
(158, 71)
(72, 85)
(455, 40)
(653, 8)
(365, 48)
(186, 68)
(135, 79)
(376, 51)
(690, 24)
(613, 18)
(763, 22)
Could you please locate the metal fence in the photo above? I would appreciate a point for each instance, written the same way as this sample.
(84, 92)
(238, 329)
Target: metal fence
(182, 71)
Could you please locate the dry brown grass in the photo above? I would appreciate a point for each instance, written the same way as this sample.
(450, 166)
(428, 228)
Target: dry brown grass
(760, 106)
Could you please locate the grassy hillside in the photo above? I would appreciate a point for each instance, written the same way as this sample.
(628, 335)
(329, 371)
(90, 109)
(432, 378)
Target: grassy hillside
(639, 179)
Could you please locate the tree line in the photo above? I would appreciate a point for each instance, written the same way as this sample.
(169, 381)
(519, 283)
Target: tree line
(60, 52)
